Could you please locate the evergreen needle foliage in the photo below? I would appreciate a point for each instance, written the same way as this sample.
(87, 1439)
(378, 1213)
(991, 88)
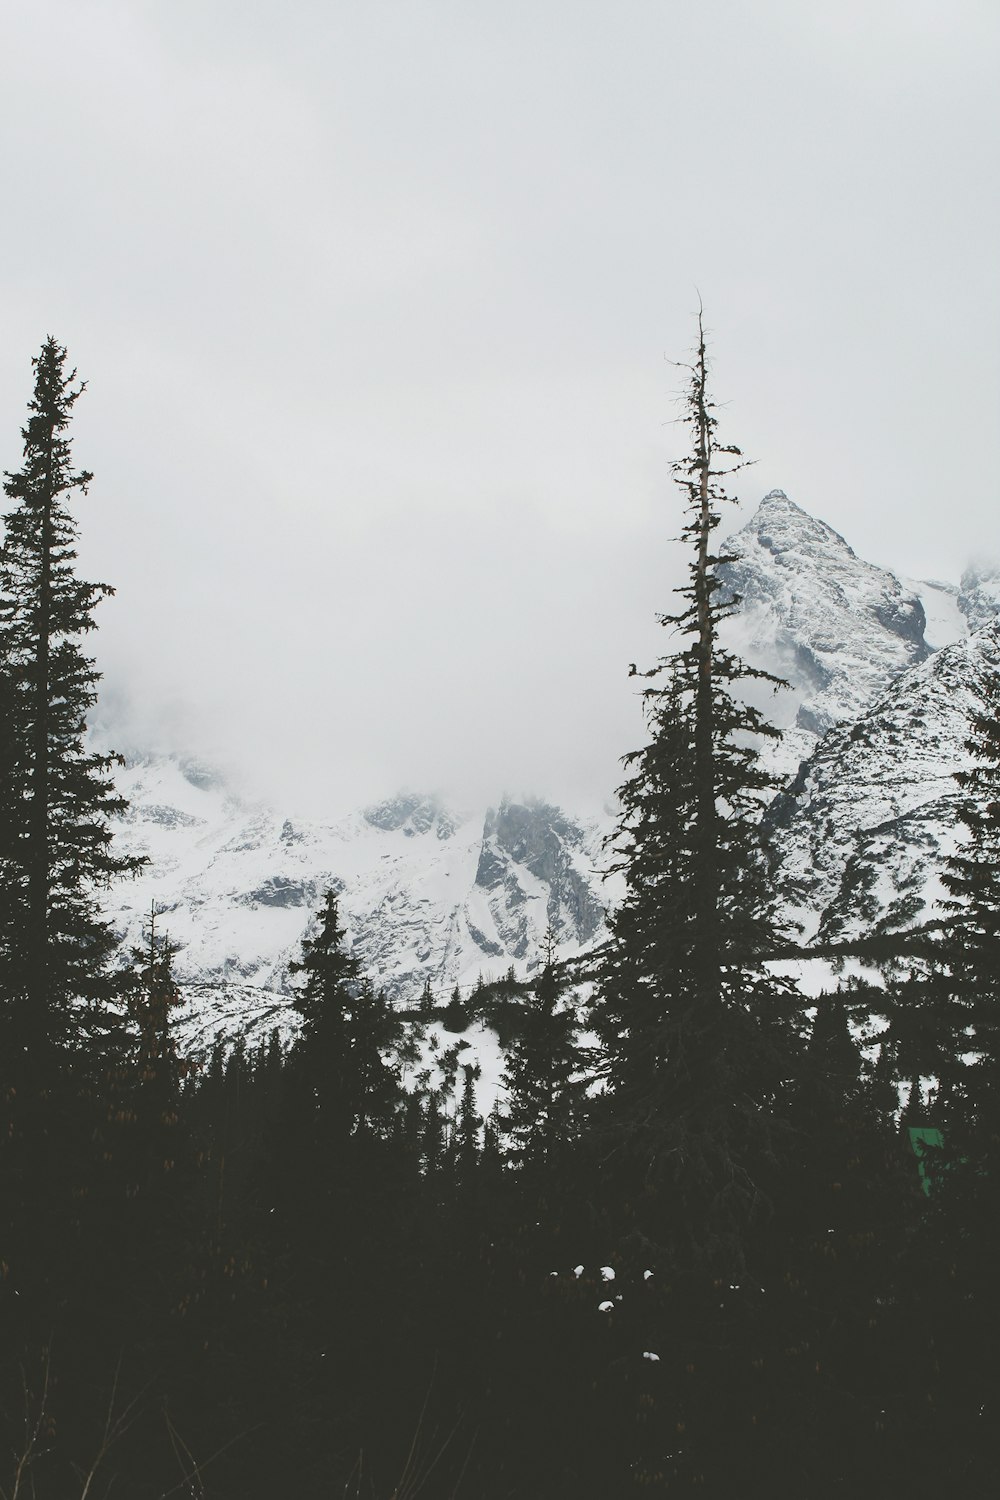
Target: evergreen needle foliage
(973, 882)
(700, 1036)
(350, 1048)
(544, 1076)
(58, 797)
(946, 1022)
(694, 1260)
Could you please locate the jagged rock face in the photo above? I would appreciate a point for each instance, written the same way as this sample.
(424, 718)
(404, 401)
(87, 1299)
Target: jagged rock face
(874, 725)
(412, 814)
(979, 595)
(860, 837)
(279, 890)
(201, 774)
(537, 871)
(836, 628)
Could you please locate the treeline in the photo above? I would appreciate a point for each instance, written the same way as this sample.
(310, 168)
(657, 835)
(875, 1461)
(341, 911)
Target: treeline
(693, 1250)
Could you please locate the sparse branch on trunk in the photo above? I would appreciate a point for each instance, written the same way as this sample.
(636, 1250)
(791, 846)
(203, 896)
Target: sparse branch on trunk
(698, 1030)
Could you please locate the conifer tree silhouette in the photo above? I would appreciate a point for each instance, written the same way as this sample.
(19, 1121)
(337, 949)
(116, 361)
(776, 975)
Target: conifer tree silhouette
(58, 797)
(699, 1034)
(348, 1054)
(544, 1076)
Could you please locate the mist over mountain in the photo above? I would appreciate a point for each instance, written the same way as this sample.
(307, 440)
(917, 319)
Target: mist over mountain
(883, 675)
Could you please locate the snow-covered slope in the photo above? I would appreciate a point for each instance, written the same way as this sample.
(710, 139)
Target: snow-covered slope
(427, 894)
(945, 621)
(861, 834)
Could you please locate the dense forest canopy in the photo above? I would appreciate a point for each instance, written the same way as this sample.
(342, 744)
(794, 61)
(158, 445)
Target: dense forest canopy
(716, 1237)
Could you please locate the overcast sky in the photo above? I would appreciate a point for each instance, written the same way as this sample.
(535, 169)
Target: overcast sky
(375, 300)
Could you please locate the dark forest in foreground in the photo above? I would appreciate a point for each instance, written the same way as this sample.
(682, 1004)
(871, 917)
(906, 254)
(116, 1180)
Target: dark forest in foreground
(695, 1252)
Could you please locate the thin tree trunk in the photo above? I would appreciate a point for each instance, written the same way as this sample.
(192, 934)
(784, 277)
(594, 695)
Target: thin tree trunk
(706, 862)
(39, 876)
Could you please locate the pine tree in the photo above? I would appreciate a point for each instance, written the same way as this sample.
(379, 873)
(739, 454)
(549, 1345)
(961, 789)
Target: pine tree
(58, 798)
(328, 967)
(971, 1010)
(943, 1045)
(157, 1068)
(434, 1135)
(352, 1040)
(699, 1034)
(945, 1008)
(748, 1165)
(467, 1126)
(544, 1074)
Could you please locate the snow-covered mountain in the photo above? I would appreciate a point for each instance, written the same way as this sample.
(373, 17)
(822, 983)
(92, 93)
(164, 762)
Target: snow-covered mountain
(836, 628)
(427, 893)
(861, 833)
(884, 675)
(979, 595)
(884, 678)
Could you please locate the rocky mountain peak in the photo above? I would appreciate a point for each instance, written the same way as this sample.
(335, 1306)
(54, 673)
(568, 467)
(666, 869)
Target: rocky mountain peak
(537, 869)
(979, 594)
(836, 628)
(411, 813)
(781, 526)
(533, 833)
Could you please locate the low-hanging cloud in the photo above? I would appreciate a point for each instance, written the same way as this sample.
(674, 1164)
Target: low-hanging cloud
(374, 304)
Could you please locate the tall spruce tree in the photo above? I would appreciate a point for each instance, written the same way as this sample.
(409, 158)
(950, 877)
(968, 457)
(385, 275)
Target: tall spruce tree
(971, 1083)
(349, 1051)
(66, 1145)
(158, 1067)
(544, 1070)
(699, 1033)
(723, 1162)
(58, 797)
